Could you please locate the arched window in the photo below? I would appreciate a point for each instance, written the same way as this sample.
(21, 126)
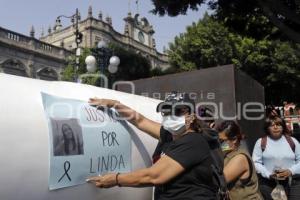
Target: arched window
(14, 67)
(47, 74)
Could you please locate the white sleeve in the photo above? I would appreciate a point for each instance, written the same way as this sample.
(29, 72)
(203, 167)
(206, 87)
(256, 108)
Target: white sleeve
(295, 169)
(257, 157)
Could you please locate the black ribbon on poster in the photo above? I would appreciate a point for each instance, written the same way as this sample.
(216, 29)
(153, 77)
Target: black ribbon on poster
(67, 166)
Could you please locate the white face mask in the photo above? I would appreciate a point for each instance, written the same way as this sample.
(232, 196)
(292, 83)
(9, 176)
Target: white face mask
(174, 124)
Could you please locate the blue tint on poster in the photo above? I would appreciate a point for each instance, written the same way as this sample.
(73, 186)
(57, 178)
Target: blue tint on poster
(84, 141)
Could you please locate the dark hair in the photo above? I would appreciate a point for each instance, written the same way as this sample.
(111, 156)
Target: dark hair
(203, 119)
(198, 125)
(205, 114)
(66, 140)
(278, 121)
(231, 129)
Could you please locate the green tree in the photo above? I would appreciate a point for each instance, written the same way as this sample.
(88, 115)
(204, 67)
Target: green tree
(284, 81)
(255, 18)
(68, 73)
(209, 43)
(206, 43)
(175, 7)
(133, 66)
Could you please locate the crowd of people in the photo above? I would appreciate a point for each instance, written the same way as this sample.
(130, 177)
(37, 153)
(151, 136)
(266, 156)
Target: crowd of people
(196, 159)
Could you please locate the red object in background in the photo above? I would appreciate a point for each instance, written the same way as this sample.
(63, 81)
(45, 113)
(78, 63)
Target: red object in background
(291, 116)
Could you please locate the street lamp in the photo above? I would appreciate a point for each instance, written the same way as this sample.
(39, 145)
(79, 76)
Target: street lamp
(90, 62)
(102, 53)
(104, 58)
(91, 68)
(114, 62)
(78, 37)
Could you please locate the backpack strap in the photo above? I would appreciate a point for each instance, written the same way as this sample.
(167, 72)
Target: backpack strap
(291, 142)
(217, 169)
(263, 143)
(223, 192)
(247, 180)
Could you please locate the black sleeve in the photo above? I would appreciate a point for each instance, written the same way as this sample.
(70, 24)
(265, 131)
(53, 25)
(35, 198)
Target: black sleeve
(189, 150)
(164, 137)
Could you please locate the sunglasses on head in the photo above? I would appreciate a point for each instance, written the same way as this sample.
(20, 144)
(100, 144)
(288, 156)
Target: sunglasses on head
(174, 111)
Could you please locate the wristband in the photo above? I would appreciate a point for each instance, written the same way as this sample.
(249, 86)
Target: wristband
(117, 181)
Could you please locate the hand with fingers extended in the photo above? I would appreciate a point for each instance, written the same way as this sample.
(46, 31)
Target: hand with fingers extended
(102, 102)
(105, 181)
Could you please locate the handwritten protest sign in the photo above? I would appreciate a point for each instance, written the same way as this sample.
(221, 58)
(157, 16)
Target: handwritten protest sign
(84, 141)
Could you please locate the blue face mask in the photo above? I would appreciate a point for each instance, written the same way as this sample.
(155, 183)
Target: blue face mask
(225, 146)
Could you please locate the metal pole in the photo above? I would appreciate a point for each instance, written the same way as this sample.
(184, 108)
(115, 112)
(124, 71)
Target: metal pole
(77, 45)
(102, 59)
(78, 39)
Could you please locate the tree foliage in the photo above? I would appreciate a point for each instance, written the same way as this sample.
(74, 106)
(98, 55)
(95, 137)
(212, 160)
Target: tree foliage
(273, 63)
(68, 73)
(261, 18)
(133, 66)
(255, 18)
(205, 44)
(175, 7)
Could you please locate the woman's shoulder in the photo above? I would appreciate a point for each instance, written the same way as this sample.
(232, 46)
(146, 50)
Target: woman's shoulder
(191, 136)
(241, 157)
(237, 160)
(294, 140)
(241, 153)
(258, 141)
(192, 139)
(194, 136)
(243, 150)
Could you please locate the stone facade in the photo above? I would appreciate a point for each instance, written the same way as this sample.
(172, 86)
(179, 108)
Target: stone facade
(45, 58)
(138, 35)
(26, 56)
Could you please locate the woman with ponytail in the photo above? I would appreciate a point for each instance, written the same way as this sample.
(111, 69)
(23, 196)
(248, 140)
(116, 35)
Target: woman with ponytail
(239, 170)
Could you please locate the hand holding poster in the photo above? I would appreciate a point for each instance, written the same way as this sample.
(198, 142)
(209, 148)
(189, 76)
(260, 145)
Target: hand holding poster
(84, 141)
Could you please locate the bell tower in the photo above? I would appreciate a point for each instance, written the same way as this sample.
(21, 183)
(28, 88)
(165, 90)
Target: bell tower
(139, 30)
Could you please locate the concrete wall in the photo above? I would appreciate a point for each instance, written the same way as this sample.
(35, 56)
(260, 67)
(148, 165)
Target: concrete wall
(224, 89)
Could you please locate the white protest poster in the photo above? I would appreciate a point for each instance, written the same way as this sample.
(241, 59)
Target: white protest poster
(25, 140)
(84, 141)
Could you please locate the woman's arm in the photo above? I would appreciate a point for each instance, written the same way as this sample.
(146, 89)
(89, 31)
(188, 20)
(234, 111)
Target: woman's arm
(238, 167)
(257, 158)
(295, 169)
(160, 173)
(137, 119)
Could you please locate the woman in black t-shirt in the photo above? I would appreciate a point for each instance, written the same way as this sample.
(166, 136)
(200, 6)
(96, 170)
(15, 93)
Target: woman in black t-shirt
(183, 164)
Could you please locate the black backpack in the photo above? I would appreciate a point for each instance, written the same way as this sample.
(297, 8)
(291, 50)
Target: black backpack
(217, 166)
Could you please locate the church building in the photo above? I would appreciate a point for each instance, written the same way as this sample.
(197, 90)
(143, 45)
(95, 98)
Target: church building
(45, 58)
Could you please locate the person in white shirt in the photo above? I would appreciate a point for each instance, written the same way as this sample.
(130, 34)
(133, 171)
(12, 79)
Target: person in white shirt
(276, 156)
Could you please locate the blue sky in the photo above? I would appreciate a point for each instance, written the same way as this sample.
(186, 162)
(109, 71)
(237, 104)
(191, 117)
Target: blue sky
(20, 15)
